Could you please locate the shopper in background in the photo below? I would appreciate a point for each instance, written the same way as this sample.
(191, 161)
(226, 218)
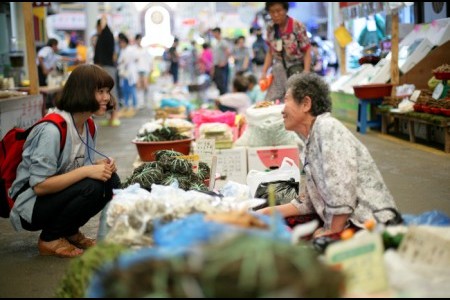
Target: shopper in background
(59, 191)
(221, 53)
(259, 48)
(343, 185)
(145, 67)
(82, 50)
(205, 61)
(241, 55)
(193, 67)
(91, 49)
(104, 57)
(47, 57)
(289, 47)
(174, 59)
(254, 90)
(317, 59)
(127, 66)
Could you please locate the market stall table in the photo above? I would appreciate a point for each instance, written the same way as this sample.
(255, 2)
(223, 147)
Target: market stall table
(46, 92)
(417, 117)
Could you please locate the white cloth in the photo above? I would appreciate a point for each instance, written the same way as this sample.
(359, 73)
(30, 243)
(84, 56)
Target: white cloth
(240, 101)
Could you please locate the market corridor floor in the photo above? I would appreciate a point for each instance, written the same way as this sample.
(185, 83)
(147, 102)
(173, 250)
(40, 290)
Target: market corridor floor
(417, 176)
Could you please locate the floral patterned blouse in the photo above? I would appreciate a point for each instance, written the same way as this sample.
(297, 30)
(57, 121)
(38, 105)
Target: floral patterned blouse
(295, 41)
(341, 176)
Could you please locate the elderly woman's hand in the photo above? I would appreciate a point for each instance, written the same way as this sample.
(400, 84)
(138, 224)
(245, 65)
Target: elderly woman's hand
(266, 210)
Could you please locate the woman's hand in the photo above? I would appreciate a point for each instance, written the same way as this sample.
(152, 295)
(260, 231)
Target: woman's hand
(286, 210)
(101, 172)
(321, 231)
(107, 161)
(266, 210)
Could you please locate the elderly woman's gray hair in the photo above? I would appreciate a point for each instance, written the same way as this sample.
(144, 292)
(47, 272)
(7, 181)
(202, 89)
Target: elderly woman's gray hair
(312, 85)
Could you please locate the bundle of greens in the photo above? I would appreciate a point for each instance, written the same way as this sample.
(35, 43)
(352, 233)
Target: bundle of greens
(161, 134)
(244, 266)
(168, 168)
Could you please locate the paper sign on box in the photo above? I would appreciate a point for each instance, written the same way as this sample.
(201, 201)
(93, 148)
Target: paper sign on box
(361, 260)
(232, 163)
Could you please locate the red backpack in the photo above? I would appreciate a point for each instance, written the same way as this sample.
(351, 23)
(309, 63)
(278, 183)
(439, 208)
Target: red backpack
(11, 155)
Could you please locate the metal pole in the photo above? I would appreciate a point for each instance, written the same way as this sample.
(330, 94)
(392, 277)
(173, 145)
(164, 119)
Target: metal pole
(13, 43)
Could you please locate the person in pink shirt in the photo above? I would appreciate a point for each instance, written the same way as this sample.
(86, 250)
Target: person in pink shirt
(206, 60)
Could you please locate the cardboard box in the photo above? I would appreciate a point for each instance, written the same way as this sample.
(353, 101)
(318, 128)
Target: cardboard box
(231, 163)
(267, 158)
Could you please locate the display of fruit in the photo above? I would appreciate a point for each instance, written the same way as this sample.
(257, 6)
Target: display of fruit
(445, 68)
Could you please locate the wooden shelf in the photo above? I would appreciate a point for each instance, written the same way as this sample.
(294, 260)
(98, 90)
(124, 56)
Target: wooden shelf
(421, 118)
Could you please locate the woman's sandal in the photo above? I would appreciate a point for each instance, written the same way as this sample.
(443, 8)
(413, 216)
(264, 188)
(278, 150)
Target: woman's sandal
(81, 241)
(60, 247)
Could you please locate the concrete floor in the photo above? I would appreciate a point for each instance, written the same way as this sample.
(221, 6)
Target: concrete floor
(418, 177)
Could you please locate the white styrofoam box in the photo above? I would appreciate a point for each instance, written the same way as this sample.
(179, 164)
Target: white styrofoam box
(231, 163)
(438, 32)
(266, 158)
(412, 54)
(382, 72)
(336, 86)
(358, 78)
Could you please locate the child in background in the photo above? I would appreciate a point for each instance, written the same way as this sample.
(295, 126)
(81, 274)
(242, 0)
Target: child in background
(254, 91)
(238, 100)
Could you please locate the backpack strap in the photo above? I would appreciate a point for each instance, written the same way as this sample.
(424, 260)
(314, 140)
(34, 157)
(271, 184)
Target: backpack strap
(59, 121)
(91, 126)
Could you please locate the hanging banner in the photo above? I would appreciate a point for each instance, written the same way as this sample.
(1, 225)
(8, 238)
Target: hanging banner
(353, 10)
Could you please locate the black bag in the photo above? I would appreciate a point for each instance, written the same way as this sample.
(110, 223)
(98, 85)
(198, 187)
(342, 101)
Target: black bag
(285, 191)
(294, 69)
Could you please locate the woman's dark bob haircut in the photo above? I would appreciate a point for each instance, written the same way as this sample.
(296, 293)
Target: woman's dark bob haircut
(78, 94)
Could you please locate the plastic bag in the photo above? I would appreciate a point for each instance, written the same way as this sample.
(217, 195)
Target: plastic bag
(285, 191)
(286, 171)
(265, 127)
(432, 218)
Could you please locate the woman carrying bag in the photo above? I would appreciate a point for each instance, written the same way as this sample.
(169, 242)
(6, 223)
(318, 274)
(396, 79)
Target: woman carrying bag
(289, 49)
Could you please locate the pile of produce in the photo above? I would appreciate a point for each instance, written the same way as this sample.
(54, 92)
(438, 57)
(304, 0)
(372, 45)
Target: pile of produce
(243, 266)
(445, 68)
(425, 96)
(167, 169)
(161, 134)
(75, 281)
(264, 103)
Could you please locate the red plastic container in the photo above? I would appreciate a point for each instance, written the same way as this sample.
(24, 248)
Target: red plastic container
(442, 75)
(445, 112)
(435, 110)
(418, 108)
(426, 109)
(372, 91)
(147, 150)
